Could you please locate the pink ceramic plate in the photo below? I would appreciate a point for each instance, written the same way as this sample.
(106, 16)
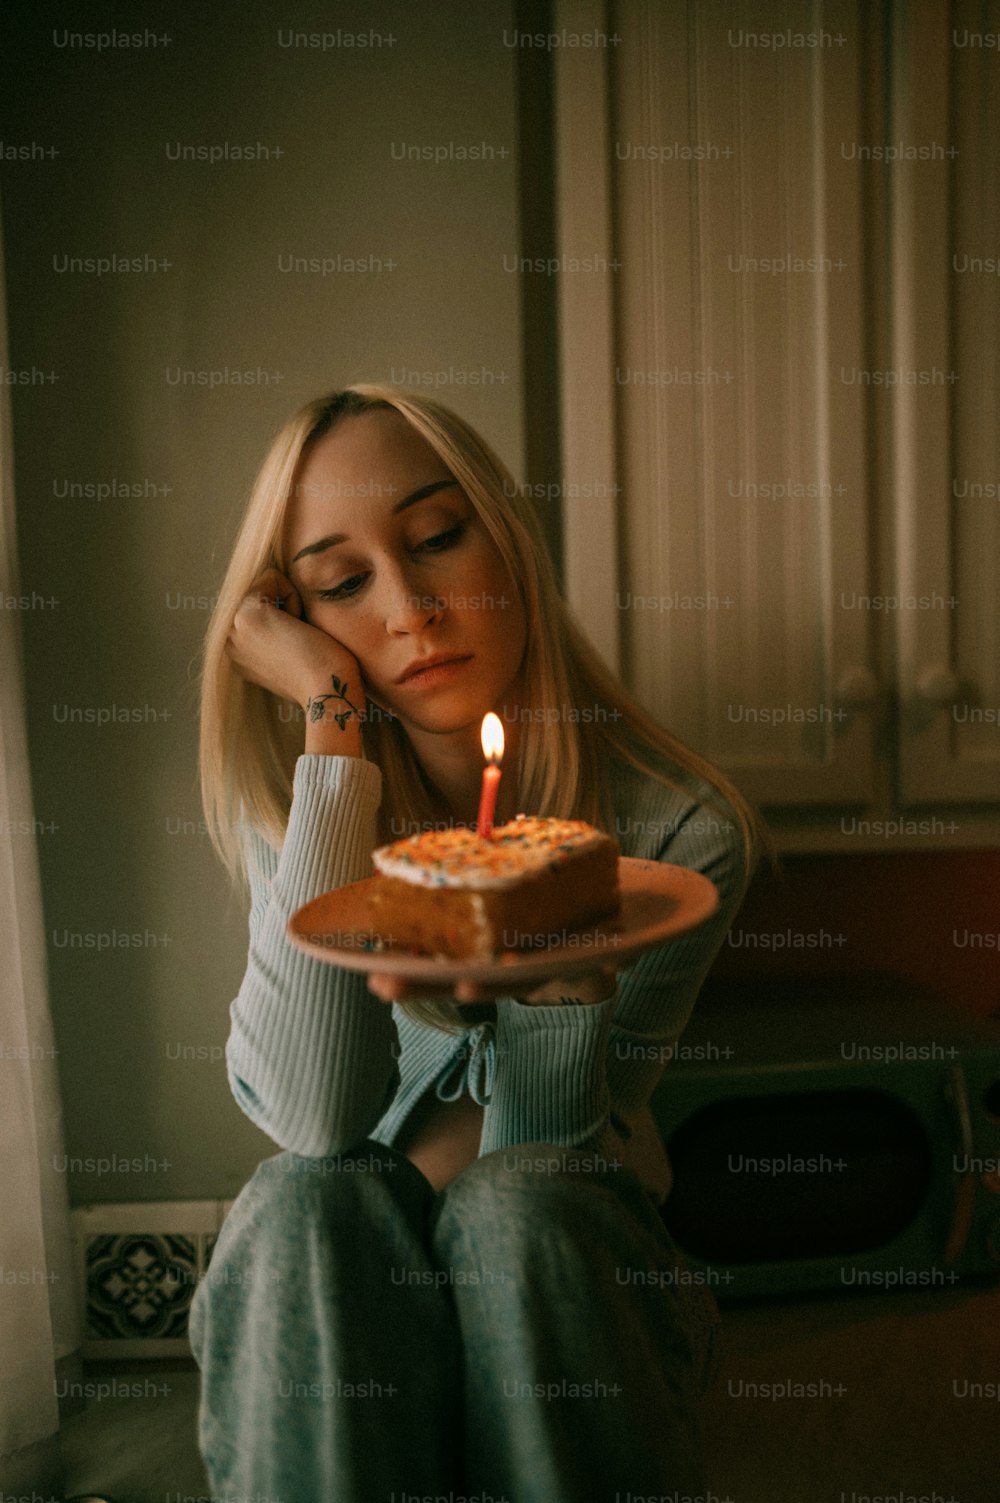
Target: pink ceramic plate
(659, 903)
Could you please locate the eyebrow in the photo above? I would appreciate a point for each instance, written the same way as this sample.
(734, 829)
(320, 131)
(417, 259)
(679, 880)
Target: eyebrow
(341, 537)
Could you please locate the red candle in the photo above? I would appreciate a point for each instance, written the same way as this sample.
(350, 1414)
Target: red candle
(492, 739)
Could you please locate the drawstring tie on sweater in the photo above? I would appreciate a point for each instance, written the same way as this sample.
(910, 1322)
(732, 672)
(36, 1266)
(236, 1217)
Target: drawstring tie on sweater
(472, 1067)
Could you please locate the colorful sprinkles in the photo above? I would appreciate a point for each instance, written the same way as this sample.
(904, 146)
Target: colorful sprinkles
(459, 858)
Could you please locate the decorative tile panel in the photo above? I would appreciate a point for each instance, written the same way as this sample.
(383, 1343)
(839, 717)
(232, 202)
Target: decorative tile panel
(138, 1266)
(140, 1286)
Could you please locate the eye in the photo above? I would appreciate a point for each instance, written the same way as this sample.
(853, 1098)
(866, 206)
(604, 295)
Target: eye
(439, 543)
(442, 540)
(342, 591)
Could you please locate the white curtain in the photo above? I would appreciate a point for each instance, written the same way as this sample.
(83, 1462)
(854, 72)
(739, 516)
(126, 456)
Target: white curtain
(39, 1321)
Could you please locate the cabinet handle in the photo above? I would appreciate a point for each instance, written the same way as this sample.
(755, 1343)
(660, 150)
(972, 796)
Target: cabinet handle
(857, 689)
(938, 686)
(957, 1095)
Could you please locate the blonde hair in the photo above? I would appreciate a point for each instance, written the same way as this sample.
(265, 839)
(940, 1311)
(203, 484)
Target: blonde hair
(248, 750)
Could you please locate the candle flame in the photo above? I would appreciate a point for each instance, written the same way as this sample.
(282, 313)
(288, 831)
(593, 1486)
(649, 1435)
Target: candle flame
(492, 737)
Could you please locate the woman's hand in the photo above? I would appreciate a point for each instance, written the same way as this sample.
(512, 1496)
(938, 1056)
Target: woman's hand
(272, 645)
(585, 987)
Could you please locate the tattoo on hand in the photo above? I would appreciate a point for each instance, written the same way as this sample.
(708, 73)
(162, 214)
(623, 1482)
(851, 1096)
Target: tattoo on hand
(316, 705)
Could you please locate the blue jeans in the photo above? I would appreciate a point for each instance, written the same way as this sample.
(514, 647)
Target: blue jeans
(522, 1335)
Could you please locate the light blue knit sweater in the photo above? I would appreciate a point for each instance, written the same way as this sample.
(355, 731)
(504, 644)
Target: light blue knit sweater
(320, 1064)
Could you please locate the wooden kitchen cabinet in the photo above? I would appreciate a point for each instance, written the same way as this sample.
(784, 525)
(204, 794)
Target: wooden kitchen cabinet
(778, 300)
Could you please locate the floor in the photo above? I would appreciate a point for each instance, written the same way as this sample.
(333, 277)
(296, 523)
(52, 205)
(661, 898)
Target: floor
(870, 1397)
(139, 1445)
(917, 1420)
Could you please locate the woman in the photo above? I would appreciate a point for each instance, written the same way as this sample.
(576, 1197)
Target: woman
(455, 1279)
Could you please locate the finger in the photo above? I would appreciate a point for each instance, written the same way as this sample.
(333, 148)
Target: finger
(289, 595)
(399, 989)
(386, 988)
(472, 991)
(274, 589)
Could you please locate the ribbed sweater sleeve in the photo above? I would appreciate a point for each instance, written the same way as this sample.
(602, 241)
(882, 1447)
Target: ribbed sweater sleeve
(658, 993)
(311, 1055)
(577, 1075)
(550, 1084)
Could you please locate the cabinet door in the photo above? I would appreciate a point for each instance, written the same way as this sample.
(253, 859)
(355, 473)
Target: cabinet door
(732, 303)
(946, 278)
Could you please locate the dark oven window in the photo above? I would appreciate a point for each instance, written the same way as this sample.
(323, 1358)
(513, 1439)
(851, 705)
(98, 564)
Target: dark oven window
(763, 1178)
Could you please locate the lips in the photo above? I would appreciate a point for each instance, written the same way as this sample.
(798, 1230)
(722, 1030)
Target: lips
(438, 661)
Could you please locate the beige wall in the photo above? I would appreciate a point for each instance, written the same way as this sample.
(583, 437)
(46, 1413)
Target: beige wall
(126, 855)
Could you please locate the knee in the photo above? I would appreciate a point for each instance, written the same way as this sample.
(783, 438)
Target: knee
(300, 1219)
(298, 1183)
(541, 1171)
(292, 1187)
(293, 1201)
(532, 1189)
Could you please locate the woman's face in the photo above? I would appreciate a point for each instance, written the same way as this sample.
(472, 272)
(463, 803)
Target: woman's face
(390, 558)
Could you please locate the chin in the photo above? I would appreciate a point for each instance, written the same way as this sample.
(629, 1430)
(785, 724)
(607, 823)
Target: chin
(448, 714)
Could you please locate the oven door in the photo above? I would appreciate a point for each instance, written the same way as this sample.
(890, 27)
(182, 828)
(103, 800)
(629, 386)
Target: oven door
(817, 1176)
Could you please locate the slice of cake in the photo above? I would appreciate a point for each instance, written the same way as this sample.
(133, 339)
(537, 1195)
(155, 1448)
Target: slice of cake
(529, 885)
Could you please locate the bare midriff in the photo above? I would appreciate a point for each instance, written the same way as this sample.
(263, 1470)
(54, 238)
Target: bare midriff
(442, 1137)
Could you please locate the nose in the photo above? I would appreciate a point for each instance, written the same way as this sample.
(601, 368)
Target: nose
(408, 608)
